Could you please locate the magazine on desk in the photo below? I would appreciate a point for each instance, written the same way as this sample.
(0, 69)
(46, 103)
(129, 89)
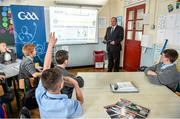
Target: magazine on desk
(126, 109)
(124, 87)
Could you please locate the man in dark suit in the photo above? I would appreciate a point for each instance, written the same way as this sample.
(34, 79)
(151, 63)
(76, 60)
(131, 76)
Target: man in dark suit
(114, 36)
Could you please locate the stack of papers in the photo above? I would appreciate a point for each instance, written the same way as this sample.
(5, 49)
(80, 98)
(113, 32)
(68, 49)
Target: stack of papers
(121, 87)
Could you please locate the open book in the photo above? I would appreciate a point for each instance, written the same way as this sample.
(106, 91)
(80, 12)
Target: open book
(121, 87)
(127, 109)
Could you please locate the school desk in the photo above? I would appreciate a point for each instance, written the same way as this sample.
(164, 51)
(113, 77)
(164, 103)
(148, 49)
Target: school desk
(162, 102)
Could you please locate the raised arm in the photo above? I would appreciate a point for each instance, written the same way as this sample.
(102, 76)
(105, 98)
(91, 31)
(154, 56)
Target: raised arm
(79, 94)
(48, 56)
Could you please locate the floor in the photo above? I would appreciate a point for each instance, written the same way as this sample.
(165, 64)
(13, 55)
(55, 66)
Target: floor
(35, 112)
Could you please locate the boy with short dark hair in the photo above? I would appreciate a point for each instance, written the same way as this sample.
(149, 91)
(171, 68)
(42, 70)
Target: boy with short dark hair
(62, 59)
(53, 104)
(165, 72)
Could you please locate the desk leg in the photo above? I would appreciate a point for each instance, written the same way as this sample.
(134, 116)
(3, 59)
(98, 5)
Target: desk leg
(16, 93)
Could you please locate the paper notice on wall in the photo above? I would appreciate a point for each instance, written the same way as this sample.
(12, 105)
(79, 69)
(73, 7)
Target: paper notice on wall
(169, 28)
(147, 41)
(146, 19)
(102, 22)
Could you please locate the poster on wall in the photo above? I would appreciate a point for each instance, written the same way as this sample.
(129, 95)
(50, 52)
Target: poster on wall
(120, 20)
(6, 26)
(102, 22)
(29, 28)
(169, 28)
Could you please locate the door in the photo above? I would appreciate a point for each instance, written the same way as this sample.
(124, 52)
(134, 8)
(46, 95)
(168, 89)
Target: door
(133, 33)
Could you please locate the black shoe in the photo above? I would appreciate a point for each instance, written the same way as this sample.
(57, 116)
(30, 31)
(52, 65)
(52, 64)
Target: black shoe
(109, 70)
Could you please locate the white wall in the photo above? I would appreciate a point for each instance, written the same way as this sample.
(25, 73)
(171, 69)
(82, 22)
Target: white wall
(156, 8)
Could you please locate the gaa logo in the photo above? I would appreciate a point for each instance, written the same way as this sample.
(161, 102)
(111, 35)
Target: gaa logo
(27, 16)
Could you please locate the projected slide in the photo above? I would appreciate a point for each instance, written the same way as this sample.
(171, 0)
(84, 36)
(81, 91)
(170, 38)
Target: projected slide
(74, 25)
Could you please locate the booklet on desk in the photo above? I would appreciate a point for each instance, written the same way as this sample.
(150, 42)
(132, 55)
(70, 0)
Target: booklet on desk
(124, 87)
(126, 109)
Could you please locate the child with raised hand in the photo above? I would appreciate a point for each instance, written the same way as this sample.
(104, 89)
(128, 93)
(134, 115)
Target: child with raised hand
(53, 104)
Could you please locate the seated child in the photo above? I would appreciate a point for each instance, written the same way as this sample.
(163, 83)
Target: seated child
(27, 68)
(62, 60)
(53, 104)
(6, 55)
(6, 94)
(165, 73)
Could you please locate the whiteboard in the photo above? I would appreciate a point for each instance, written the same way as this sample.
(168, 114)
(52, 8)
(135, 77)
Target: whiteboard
(169, 28)
(74, 25)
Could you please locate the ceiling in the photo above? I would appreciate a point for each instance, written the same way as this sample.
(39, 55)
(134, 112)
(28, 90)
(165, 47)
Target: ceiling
(52, 2)
(89, 2)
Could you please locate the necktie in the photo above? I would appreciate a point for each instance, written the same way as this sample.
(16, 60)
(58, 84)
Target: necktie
(112, 29)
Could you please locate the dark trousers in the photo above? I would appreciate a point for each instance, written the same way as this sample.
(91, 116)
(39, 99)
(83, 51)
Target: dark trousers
(113, 61)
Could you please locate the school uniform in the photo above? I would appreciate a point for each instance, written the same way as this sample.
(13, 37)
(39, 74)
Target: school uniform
(166, 75)
(27, 68)
(56, 105)
(68, 90)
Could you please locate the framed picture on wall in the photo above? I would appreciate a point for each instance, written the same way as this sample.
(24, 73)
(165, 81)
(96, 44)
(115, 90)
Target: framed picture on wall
(120, 20)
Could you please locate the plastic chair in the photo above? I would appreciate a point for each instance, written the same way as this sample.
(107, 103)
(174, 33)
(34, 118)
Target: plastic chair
(24, 113)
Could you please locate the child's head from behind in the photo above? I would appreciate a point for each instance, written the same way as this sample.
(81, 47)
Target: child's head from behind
(29, 50)
(62, 57)
(52, 79)
(169, 55)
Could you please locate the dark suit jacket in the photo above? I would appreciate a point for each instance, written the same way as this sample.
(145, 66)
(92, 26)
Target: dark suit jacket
(117, 35)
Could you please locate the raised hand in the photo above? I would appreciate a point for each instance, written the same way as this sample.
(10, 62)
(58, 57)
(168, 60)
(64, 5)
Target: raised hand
(52, 39)
(48, 56)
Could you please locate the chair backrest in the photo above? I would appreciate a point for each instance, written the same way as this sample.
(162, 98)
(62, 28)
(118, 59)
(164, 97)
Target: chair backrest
(178, 63)
(1, 90)
(24, 113)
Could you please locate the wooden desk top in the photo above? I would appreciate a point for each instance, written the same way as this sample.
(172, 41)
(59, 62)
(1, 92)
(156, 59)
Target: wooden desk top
(162, 102)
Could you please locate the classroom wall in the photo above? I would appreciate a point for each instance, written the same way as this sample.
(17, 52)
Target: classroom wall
(155, 8)
(81, 55)
(110, 9)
